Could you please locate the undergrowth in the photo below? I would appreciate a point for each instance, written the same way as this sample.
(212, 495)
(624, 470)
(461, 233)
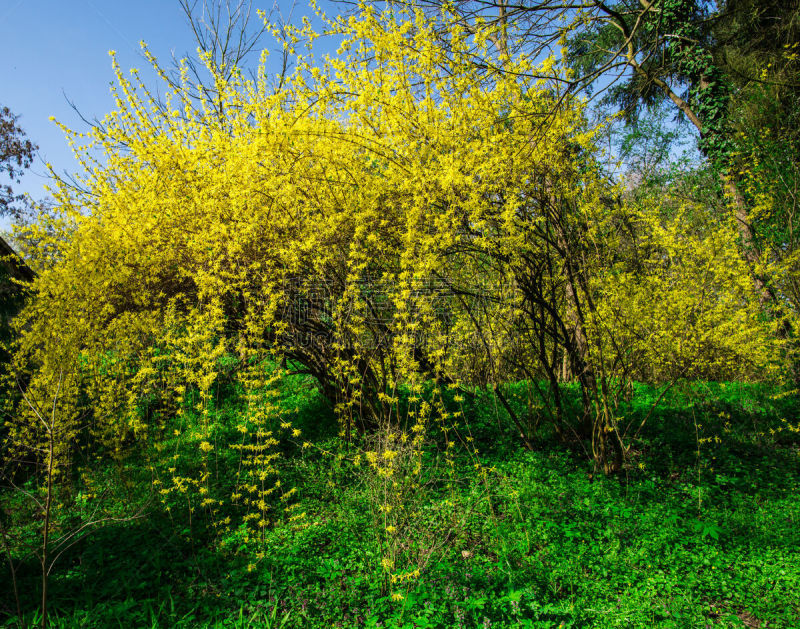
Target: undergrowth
(700, 529)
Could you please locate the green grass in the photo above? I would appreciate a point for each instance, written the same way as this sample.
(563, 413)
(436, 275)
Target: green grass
(700, 530)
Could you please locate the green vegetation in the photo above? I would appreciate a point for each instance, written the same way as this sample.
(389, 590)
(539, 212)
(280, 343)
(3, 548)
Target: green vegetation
(700, 529)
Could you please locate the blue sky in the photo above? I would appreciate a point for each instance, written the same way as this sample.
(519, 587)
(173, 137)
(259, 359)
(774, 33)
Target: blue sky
(54, 50)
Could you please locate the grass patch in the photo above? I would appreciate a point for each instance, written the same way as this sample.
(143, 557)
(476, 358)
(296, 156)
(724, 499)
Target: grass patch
(699, 530)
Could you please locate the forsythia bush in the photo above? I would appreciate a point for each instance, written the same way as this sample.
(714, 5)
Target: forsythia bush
(383, 218)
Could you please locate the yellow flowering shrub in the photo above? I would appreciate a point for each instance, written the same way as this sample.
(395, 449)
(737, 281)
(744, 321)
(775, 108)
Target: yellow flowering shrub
(384, 217)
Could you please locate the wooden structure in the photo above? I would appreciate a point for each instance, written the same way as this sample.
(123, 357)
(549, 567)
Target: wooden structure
(12, 266)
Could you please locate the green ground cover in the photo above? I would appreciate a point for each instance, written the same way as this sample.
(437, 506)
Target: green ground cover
(701, 529)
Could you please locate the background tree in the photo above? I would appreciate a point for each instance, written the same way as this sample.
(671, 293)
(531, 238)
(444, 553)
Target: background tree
(756, 44)
(16, 155)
